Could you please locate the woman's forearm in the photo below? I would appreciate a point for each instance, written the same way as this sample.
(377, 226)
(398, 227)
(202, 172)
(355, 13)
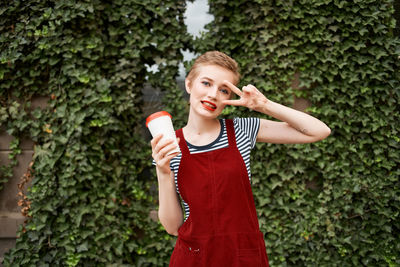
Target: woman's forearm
(298, 120)
(170, 212)
(301, 122)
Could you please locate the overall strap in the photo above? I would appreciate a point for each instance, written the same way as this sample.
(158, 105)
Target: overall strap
(182, 142)
(230, 130)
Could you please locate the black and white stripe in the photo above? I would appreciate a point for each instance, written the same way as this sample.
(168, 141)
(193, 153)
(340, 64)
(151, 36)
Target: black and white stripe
(246, 130)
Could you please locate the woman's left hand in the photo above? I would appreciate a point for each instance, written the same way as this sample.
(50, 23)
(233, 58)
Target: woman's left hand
(250, 97)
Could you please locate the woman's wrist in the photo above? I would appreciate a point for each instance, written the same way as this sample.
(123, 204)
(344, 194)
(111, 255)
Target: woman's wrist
(163, 173)
(264, 106)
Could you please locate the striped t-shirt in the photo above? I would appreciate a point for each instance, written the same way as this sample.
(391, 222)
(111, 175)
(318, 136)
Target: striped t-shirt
(246, 130)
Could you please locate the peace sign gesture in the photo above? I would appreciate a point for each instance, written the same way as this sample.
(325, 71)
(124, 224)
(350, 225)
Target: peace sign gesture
(250, 97)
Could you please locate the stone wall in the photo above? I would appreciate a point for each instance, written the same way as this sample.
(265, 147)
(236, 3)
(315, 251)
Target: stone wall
(10, 215)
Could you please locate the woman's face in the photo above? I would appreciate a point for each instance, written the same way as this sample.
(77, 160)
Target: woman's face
(207, 90)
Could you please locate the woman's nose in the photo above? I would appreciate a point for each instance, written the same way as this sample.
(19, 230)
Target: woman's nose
(212, 93)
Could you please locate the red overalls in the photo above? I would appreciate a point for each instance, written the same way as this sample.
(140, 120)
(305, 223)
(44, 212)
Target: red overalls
(222, 228)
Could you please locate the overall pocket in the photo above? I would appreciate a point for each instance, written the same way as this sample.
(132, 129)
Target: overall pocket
(249, 257)
(186, 253)
(189, 247)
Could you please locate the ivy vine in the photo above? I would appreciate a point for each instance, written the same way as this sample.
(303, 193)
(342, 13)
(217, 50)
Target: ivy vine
(89, 202)
(335, 202)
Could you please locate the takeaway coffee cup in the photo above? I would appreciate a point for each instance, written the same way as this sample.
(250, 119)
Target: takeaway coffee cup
(161, 123)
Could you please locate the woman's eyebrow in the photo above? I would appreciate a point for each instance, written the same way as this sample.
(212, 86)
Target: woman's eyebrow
(207, 78)
(223, 85)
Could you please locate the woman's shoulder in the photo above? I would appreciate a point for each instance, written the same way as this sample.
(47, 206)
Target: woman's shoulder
(245, 122)
(247, 128)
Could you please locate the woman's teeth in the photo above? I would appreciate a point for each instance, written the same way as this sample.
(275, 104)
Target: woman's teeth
(209, 105)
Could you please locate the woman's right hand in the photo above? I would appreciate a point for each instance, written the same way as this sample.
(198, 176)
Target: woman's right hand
(169, 210)
(160, 150)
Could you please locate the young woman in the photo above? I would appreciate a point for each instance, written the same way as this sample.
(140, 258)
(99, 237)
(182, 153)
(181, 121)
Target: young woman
(211, 174)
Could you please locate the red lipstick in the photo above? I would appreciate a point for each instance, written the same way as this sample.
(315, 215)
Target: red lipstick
(209, 105)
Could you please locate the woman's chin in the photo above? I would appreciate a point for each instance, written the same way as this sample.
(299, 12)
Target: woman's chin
(205, 113)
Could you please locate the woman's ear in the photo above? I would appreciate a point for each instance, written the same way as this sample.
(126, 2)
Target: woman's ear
(187, 85)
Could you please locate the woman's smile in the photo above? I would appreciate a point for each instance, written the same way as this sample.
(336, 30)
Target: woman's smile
(209, 105)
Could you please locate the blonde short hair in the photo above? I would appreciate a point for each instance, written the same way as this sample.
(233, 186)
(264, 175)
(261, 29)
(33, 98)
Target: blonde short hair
(214, 58)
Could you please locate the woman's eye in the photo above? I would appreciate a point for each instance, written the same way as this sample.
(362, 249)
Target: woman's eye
(225, 91)
(206, 83)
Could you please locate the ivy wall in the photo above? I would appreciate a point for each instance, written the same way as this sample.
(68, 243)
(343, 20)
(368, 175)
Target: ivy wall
(331, 203)
(91, 192)
(335, 202)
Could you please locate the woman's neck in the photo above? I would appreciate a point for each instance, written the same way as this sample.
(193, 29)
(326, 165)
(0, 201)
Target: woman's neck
(199, 125)
(200, 130)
